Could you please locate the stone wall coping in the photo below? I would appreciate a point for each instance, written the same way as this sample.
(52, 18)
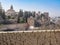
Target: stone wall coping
(29, 31)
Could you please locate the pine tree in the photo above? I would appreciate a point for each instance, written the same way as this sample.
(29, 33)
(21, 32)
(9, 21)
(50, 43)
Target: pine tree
(20, 14)
(3, 15)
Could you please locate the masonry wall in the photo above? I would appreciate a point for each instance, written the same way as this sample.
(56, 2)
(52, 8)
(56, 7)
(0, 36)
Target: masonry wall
(30, 38)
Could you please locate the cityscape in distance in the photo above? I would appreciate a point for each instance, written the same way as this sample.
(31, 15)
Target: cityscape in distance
(29, 22)
(13, 20)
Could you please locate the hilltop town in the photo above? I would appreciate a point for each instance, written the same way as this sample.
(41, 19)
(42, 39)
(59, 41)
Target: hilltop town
(25, 20)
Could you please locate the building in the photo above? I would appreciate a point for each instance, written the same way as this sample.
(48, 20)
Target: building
(11, 15)
(56, 20)
(43, 18)
(11, 11)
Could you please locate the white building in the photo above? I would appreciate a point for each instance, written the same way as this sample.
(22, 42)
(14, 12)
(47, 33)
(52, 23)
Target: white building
(11, 15)
(11, 12)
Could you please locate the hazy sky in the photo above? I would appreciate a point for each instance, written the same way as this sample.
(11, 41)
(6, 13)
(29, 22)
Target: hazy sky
(51, 6)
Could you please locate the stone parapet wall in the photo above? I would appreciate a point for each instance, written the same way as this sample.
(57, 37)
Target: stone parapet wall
(41, 37)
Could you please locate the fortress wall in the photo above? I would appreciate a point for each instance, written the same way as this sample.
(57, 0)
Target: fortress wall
(49, 37)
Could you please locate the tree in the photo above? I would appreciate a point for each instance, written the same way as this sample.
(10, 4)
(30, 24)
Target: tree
(3, 15)
(25, 15)
(9, 17)
(20, 14)
(33, 14)
(0, 12)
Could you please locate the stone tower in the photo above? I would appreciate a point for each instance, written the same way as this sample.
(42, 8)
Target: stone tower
(11, 7)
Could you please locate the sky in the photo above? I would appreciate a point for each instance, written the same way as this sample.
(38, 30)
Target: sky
(51, 6)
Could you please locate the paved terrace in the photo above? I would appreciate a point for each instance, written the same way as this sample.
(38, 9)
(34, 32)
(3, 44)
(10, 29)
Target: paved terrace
(33, 37)
(12, 26)
(15, 27)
